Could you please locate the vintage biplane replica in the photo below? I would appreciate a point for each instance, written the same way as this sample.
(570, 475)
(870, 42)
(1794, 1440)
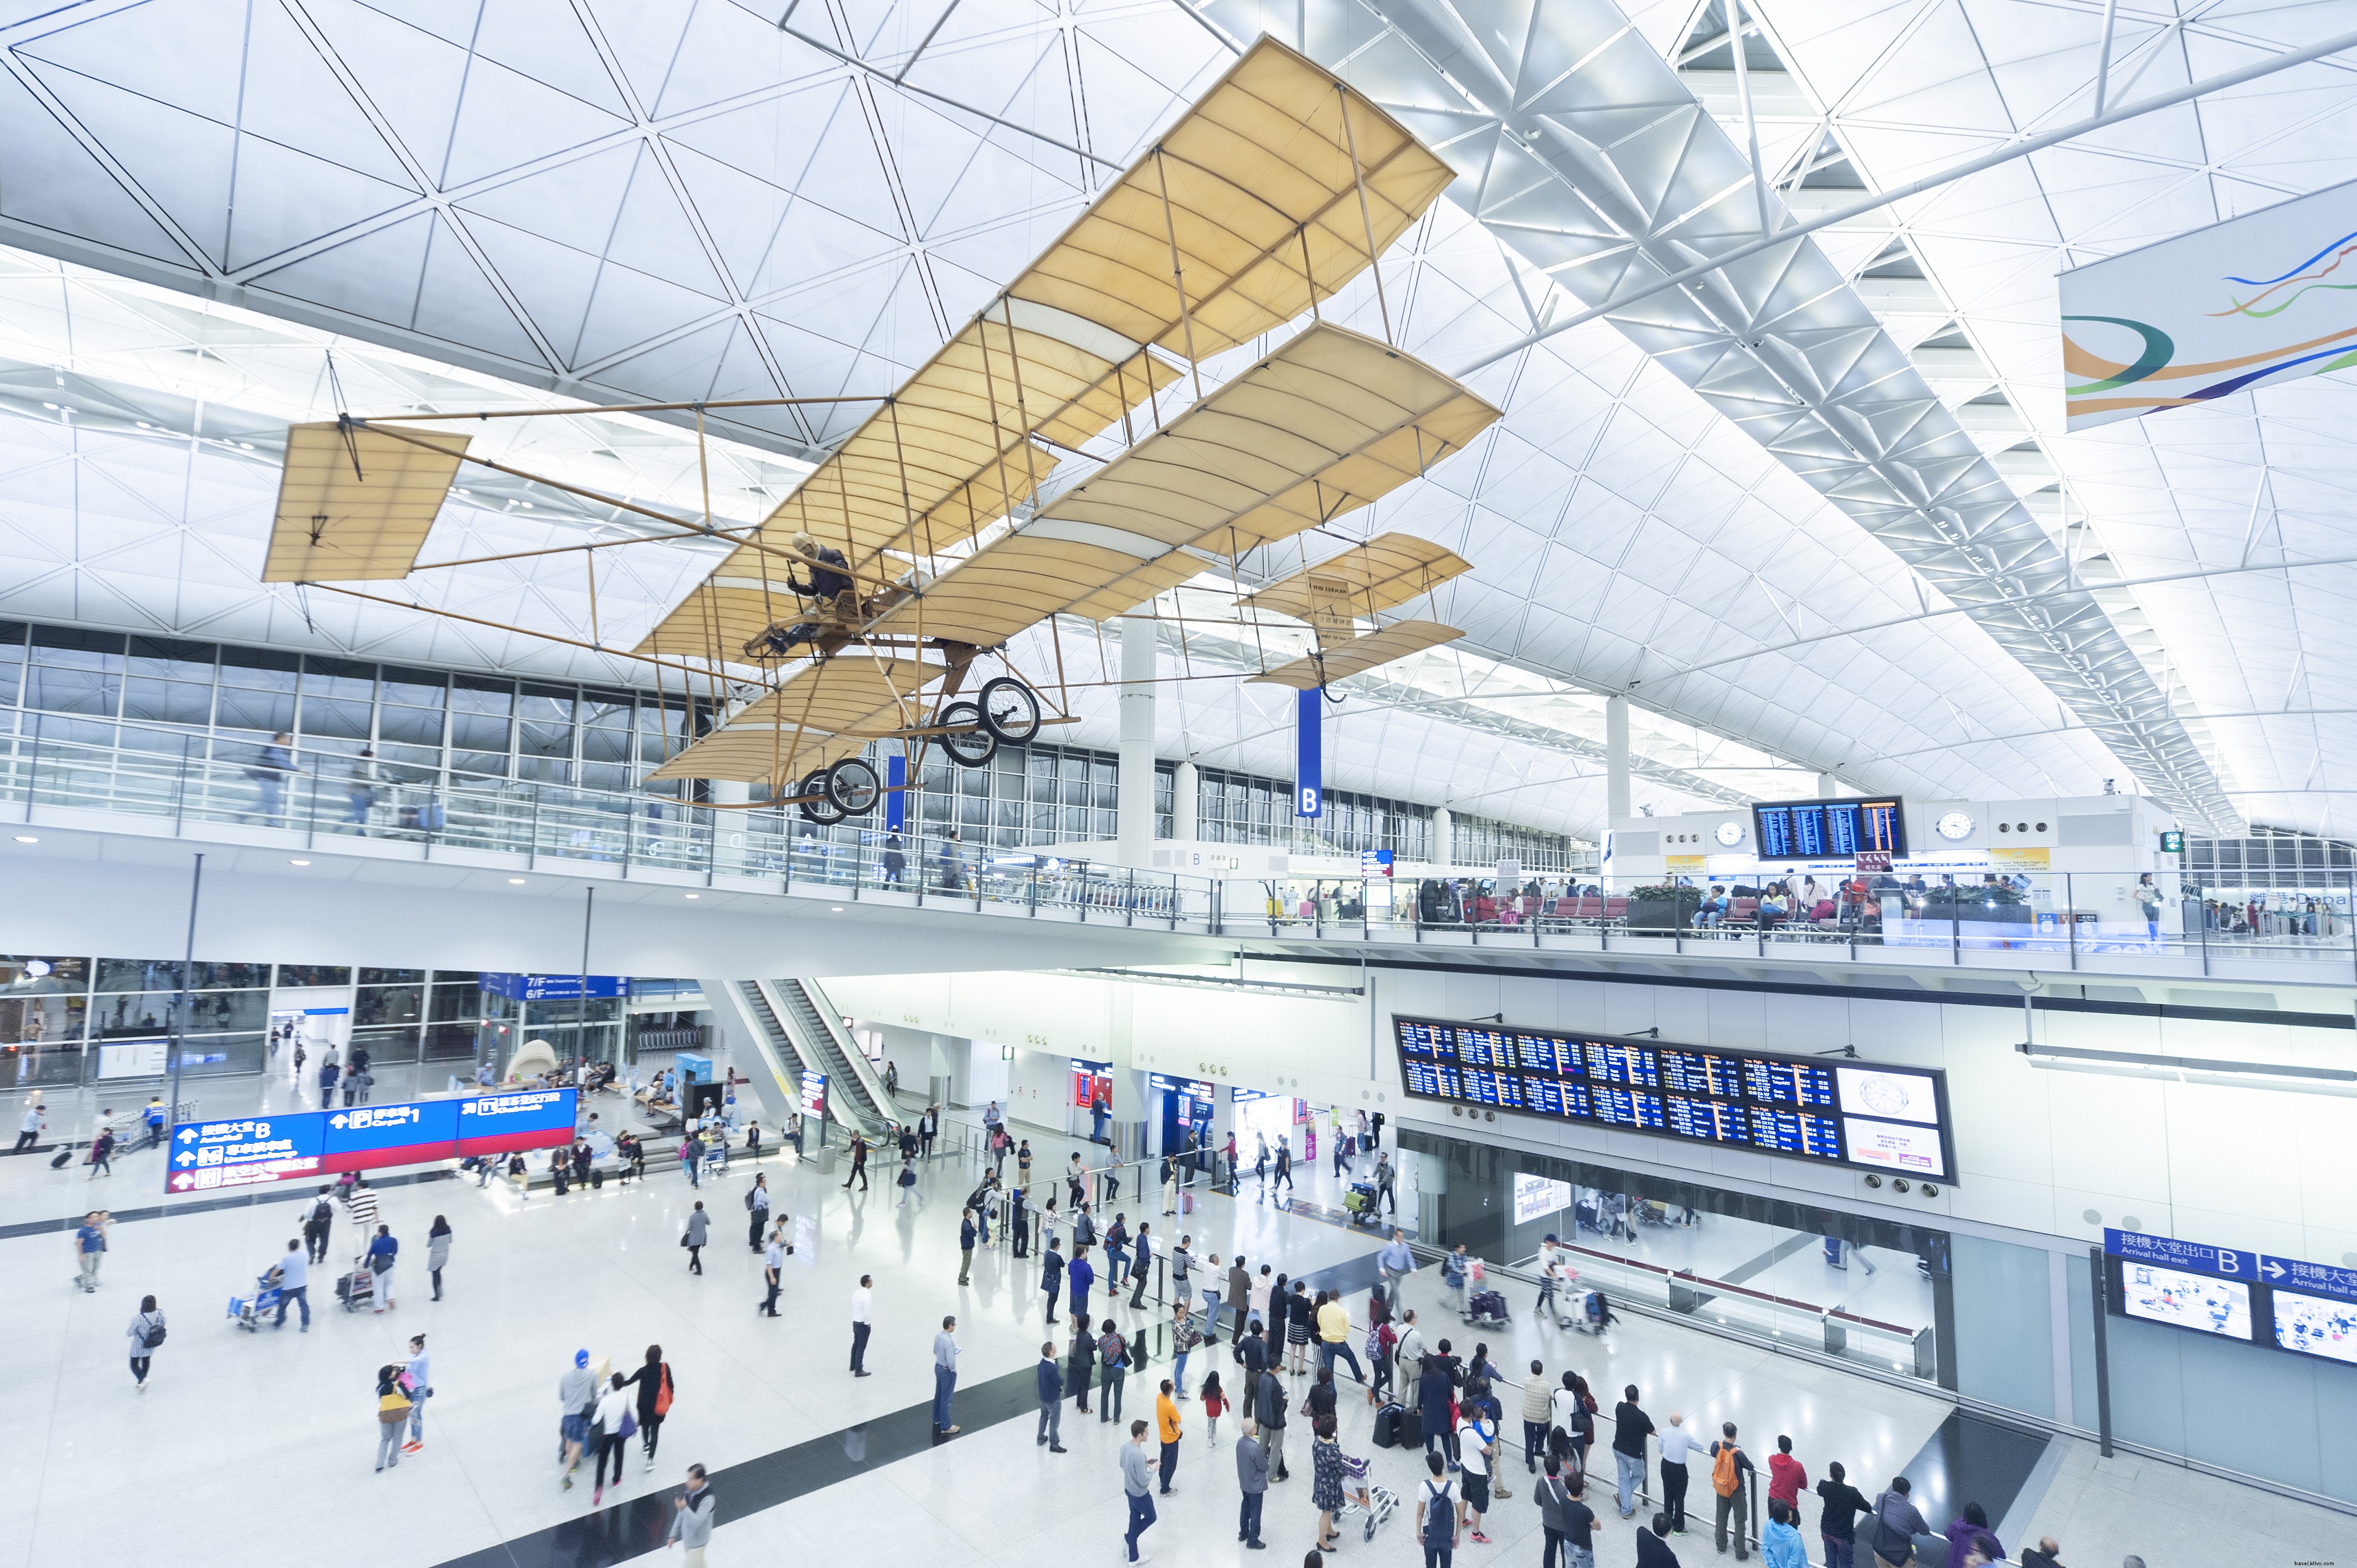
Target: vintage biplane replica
(1060, 457)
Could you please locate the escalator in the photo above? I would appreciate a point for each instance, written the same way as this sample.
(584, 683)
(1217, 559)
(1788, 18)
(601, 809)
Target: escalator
(797, 1013)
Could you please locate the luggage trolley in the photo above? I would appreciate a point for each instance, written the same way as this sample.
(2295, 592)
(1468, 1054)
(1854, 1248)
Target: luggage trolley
(357, 1289)
(1385, 1501)
(247, 1311)
(1360, 1203)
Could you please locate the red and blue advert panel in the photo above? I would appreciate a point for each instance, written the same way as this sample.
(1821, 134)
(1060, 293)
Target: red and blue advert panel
(532, 1118)
(366, 1137)
(244, 1152)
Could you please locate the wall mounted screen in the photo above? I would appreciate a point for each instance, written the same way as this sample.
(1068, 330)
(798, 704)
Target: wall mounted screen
(1865, 1115)
(1828, 829)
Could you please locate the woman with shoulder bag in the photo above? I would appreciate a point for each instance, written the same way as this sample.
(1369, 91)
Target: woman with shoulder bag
(1897, 1523)
(614, 1423)
(391, 1415)
(146, 1332)
(655, 1393)
(699, 1226)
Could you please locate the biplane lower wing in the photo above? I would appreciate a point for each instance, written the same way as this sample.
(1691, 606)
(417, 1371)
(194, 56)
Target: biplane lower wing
(1360, 654)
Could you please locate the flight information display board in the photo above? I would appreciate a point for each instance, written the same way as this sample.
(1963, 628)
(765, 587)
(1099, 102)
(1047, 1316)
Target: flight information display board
(1836, 1112)
(1828, 829)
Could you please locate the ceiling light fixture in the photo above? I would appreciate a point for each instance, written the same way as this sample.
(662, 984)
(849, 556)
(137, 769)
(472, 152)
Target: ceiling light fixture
(696, 895)
(837, 910)
(2280, 1076)
(26, 838)
(516, 881)
(299, 862)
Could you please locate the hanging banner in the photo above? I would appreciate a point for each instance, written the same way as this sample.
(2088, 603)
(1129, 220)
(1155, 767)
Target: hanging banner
(1308, 753)
(2254, 301)
(896, 801)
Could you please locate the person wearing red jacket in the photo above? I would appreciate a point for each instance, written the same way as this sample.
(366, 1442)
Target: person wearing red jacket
(1785, 1475)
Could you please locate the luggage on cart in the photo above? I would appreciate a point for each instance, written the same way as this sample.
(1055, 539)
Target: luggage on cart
(247, 1311)
(357, 1289)
(1387, 1427)
(1486, 1307)
(1360, 1203)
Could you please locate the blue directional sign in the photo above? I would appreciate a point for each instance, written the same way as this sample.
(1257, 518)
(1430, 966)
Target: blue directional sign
(244, 1152)
(528, 1119)
(2194, 1257)
(359, 1135)
(2316, 1279)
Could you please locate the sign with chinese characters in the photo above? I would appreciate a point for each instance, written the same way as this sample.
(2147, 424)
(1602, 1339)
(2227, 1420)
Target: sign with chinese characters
(813, 1099)
(256, 1149)
(554, 987)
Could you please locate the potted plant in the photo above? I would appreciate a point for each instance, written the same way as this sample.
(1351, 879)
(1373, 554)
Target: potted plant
(1662, 907)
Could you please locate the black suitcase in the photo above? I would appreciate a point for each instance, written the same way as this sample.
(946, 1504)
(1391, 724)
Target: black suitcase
(1410, 1429)
(61, 1159)
(1387, 1427)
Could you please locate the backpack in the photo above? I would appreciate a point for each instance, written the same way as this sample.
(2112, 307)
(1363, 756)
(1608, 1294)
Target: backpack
(154, 1334)
(1725, 1475)
(1440, 1516)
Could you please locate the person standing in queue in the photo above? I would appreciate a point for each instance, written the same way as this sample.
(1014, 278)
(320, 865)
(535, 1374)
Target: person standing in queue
(757, 1211)
(1079, 1276)
(773, 1269)
(1077, 1364)
(945, 1355)
(1051, 1400)
(1435, 1515)
(1165, 1416)
(1137, 1486)
(1251, 1478)
(1051, 1275)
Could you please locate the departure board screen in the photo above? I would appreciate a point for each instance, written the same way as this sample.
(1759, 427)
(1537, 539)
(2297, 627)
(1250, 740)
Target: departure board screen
(1832, 1110)
(1829, 830)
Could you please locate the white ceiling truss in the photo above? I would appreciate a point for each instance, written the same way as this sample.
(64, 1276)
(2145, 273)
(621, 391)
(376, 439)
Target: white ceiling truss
(1576, 142)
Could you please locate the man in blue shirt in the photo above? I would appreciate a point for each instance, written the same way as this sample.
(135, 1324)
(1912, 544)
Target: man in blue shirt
(1396, 1261)
(293, 1271)
(1079, 1275)
(1051, 1397)
(383, 1253)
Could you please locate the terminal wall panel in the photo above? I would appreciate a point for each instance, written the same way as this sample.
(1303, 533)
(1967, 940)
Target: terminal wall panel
(2005, 1324)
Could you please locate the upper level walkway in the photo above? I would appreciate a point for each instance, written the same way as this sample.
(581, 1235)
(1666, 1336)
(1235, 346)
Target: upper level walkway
(449, 832)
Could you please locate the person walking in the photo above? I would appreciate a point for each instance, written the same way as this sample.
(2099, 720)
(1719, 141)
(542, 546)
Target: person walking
(1677, 1448)
(383, 1253)
(1267, 1407)
(698, 1232)
(329, 1073)
(1252, 1479)
(609, 1426)
(690, 1520)
(656, 1391)
(1165, 1419)
(966, 1237)
(316, 1224)
(858, 1163)
(1837, 1519)
(1284, 1165)
(101, 1149)
(145, 1333)
(1051, 1400)
(773, 1270)
(391, 1416)
(1435, 1515)
(1051, 1274)
(576, 1396)
(863, 1304)
(438, 1252)
(1141, 1267)
(1113, 1354)
(1137, 1487)
(420, 1375)
(360, 1207)
(1239, 1300)
(1395, 1262)
(1214, 1399)
(290, 1271)
(30, 1130)
(906, 1181)
(1728, 1466)
(757, 1211)
(1630, 1427)
(945, 1355)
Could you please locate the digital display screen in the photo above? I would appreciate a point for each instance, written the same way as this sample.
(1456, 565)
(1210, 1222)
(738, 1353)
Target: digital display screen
(1829, 830)
(2316, 1324)
(1844, 1112)
(2183, 1300)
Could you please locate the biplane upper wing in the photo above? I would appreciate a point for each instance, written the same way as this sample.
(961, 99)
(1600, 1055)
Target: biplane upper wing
(820, 713)
(1256, 188)
(356, 501)
(1360, 654)
(1282, 447)
(1359, 583)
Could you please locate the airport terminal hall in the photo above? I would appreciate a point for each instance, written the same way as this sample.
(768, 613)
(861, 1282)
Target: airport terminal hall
(1026, 783)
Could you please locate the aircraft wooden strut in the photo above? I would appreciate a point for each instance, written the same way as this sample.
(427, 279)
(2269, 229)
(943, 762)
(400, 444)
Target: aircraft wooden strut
(950, 521)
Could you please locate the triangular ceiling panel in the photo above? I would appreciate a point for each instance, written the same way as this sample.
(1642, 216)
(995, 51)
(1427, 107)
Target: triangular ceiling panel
(507, 120)
(283, 198)
(769, 239)
(53, 181)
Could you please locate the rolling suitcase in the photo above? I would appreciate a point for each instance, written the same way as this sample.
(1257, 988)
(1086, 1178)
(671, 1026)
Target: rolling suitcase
(1387, 1427)
(62, 1158)
(1410, 1429)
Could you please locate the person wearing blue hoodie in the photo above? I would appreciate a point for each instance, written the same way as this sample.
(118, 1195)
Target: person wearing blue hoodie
(1780, 1543)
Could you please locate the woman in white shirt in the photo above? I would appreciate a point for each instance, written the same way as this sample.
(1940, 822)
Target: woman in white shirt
(616, 1409)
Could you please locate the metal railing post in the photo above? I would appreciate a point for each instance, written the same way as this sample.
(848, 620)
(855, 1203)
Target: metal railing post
(180, 789)
(2070, 918)
(311, 815)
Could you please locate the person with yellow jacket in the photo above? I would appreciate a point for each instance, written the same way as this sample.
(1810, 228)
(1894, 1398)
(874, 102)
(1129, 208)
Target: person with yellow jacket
(1165, 1416)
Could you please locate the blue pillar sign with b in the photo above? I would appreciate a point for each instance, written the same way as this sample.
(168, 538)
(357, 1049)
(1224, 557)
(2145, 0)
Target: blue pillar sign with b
(1308, 753)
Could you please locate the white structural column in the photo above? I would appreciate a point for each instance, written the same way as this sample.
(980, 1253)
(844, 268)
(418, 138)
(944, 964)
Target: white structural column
(1185, 796)
(729, 827)
(1616, 758)
(1444, 828)
(1827, 785)
(1134, 818)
